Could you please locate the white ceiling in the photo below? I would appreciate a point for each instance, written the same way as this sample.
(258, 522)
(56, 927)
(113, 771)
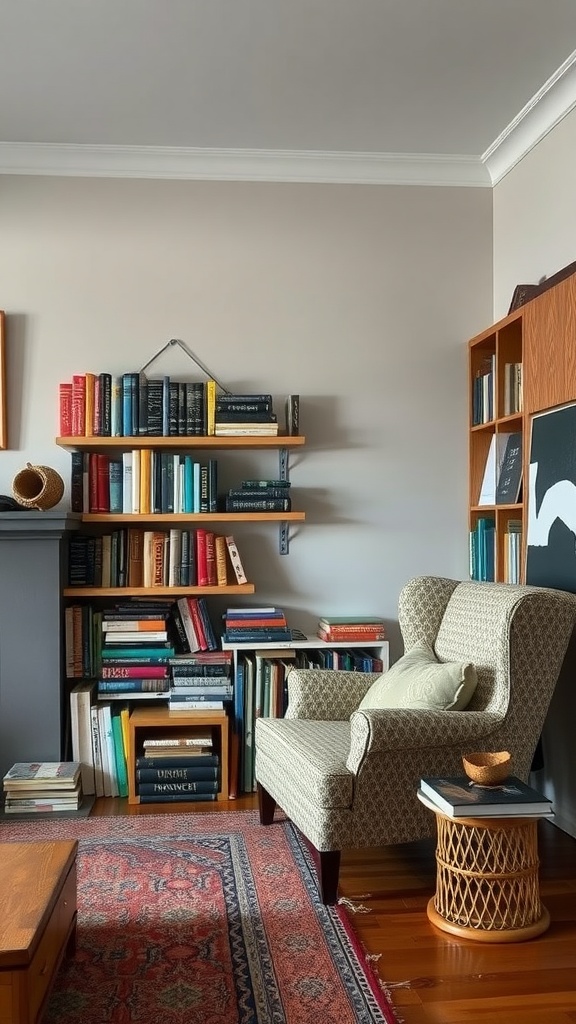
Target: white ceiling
(347, 84)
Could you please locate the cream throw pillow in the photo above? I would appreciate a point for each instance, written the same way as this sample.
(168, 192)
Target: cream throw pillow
(419, 680)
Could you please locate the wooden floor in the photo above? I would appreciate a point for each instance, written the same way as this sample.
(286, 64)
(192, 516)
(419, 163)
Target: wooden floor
(433, 977)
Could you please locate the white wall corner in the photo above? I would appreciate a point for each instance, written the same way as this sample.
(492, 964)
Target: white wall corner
(540, 115)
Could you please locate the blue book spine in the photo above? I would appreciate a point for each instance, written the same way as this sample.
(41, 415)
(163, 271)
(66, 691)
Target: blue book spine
(116, 475)
(137, 653)
(188, 484)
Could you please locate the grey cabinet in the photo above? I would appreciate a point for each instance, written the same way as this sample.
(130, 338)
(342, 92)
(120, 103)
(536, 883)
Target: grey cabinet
(33, 558)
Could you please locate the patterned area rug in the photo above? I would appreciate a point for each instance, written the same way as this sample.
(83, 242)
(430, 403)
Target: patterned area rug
(203, 919)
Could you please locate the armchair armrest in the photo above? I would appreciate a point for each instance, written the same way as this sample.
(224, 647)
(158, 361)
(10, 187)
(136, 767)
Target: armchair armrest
(326, 695)
(400, 730)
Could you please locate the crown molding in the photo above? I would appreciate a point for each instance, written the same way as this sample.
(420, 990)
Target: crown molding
(242, 165)
(542, 113)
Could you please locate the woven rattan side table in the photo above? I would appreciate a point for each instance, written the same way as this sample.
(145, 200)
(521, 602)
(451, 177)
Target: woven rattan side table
(487, 879)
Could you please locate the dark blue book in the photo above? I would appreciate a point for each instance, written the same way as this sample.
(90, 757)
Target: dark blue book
(185, 761)
(459, 797)
(175, 773)
(164, 798)
(178, 788)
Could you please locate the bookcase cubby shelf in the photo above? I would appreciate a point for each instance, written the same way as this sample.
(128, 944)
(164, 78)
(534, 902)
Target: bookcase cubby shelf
(539, 338)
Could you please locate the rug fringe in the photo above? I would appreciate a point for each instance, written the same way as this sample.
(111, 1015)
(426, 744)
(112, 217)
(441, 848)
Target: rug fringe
(356, 908)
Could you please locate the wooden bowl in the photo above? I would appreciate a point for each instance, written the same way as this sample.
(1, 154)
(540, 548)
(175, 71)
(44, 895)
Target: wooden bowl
(486, 767)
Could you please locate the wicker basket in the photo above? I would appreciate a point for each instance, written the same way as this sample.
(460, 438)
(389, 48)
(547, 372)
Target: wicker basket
(38, 487)
(486, 767)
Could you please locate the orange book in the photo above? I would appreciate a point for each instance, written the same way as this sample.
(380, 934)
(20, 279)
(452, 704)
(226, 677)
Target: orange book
(145, 478)
(90, 385)
(221, 569)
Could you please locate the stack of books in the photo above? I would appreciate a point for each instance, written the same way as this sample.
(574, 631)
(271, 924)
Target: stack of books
(135, 651)
(245, 414)
(256, 626)
(200, 681)
(42, 787)
(459, 797)
(178, 767)
(351, 628)
(259, 496)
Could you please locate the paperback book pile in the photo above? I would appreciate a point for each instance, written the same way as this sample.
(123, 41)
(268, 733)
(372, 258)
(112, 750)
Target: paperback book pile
(259, 496)
(200, 681)
(136, 646)
(42, 787)
(351, 628)
(245, 414)
(179, 767)
(459, 797)
(256, 625)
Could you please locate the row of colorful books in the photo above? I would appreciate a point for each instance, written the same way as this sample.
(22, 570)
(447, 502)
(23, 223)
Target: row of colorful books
(177, 627)
(143, 481)
(134, 557)
(132, 405)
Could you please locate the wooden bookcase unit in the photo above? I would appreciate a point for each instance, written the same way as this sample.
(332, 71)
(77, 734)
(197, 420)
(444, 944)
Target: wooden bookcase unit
(541, 335)
(145, 722)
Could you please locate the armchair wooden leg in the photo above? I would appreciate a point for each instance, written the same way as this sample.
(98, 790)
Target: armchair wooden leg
(266, 805)
(328, 869)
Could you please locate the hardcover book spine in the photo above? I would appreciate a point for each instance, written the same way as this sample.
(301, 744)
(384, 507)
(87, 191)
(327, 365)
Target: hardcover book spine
(65, 408)
(202, 773)
(79, 405)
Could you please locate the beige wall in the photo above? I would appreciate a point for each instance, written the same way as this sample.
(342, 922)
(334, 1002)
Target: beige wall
(359, 298)
(535, 215)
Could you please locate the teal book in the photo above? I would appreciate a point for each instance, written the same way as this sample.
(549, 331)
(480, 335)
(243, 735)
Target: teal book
(136, 654)
(119, 755)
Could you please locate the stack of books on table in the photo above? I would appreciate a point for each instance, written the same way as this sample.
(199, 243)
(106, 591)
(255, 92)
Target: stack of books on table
(135, 650)
(42, 787)
(201, 681)
(256, 626)
(351, 628)
(459, 797)
(181, 766)
(244, 414)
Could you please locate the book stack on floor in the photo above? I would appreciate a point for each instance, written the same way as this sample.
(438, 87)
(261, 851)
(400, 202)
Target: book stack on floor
(179, 767)
(259, 496)
(256, 626)
(245, 414)
(201, 681)
(42, 787)
(135, 651)
(459, 797)
(351, 628)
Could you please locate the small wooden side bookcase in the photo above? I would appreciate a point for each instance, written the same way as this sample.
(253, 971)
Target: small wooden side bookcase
(153, 719)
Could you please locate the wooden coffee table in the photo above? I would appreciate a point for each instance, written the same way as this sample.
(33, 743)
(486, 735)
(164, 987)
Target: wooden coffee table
(37, 924)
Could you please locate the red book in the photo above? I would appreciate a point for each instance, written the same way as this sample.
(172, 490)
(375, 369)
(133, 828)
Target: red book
(363, 637)
(65, 403)
(201, 562)
(197, 622)
(135, 672)
(79, 405)
(211, 559)
(93, 505)
(103, 483)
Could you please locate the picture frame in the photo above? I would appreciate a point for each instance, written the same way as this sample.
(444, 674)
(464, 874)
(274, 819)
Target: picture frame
(3, 408)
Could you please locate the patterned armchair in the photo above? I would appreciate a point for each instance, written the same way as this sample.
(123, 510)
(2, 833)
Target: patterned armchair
(348, 778)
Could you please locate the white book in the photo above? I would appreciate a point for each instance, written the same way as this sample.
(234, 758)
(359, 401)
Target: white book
(127, 483)
(97, 751)
(175, 558)
(81, 729)
(236, 561)
(135, 481)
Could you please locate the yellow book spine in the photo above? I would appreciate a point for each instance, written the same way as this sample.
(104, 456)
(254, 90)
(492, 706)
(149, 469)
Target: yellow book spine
(221, 570)
(210, 407)
(90, 400)
(145, 478)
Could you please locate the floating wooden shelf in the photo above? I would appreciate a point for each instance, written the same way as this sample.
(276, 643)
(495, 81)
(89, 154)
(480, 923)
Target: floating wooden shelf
(95, 444)
(193, 517)
(118, 592)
